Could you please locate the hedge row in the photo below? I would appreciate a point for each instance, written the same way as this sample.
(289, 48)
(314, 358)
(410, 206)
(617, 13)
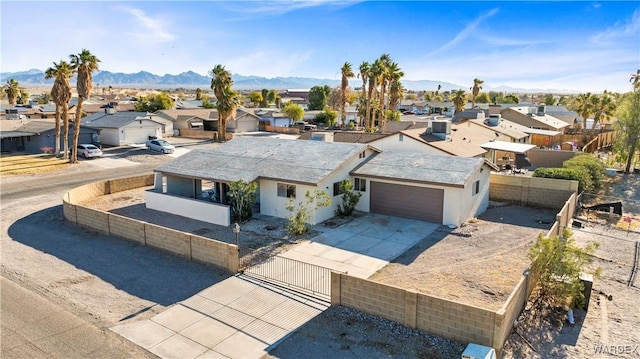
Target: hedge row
(583, 167)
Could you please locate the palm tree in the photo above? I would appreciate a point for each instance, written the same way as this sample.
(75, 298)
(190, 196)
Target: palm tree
(84, 63)
(347, 72)
(374, 77)
(635, 80)
(459, 99)
(396, 91)
(364, 75)
(198, 94)
(12, 89)
(475, 90)
(583, 104)
(604, 108)
(61, 94)
(227, 100)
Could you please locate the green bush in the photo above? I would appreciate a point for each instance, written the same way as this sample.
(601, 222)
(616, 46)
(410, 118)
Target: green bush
(591, 164)
(350, 199)
(579, 174)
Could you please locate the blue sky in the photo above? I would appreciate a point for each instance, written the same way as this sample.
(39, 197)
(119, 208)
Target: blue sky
(583, 46)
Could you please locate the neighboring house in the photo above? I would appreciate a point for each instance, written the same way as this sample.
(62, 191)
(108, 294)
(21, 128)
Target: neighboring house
(563, 113)
(188, 119)
(273, 117)
(243, 121)
(125, 128)
(31, 135)
(529, 117)
(351, 116)
(501, 129)
(433, 188)
(440, 189)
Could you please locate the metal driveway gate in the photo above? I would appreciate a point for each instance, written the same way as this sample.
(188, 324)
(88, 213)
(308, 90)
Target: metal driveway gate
(299, 276)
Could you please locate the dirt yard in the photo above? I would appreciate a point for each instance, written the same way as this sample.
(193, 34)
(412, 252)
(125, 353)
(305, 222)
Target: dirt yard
(479, 263)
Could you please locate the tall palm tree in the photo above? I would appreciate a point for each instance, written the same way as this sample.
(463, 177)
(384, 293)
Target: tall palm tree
(347, 73)
(84, 63)
(61, 94)
(364, 76)
(374, 78)
(12, 89)
(475, 90)
(459, 99)
(583, 104)
(227, 100)
(396, 91)
(604, 108)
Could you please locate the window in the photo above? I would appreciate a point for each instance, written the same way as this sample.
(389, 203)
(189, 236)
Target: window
(286, 190)
(476, 188)
(400, 137)
(362, 154)
(336, 189)
(360, 184)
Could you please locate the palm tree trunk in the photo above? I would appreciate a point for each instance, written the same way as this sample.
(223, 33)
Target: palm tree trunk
(65, 140)
(76, 129)
(57, 146)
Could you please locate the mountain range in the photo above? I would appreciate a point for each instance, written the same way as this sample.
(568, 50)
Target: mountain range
(190, 79)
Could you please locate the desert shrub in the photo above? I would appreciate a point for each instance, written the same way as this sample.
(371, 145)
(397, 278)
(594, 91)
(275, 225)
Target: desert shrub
(557, 263)
(350, 199)
(47, 150)
(301, 213)
(579, 174)
(591, 164)
(242, 197)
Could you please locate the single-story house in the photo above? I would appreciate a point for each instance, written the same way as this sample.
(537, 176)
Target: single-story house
(196, 184)
(188, 118)
(31, 136)
(124, 128)
(530, 117)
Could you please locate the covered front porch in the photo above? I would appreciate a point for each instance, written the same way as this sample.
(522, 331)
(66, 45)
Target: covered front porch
(200, 199)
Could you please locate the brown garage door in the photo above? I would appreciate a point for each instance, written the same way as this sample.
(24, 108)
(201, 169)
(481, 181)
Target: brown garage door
(407, 201)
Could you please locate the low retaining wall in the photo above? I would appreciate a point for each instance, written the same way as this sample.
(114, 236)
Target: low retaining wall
(194, 247)
(530, 191)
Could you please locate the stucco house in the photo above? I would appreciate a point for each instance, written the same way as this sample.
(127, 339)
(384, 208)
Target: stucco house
(529, 117)
(31, 135)
(124, 128)
(196, 184)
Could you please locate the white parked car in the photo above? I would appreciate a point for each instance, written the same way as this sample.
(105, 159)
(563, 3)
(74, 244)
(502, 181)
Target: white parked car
(160, 146)
(88, 151)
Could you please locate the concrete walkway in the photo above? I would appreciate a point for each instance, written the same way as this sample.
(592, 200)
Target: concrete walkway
(241, 318)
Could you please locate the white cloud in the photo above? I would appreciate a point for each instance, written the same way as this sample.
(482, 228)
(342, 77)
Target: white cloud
(466, 32)
(148, 29)
(628, 28)
(285, 6)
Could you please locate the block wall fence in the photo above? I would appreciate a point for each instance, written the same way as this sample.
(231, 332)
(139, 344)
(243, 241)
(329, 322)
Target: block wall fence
(530, 191)
(450, 319)
(191, 246)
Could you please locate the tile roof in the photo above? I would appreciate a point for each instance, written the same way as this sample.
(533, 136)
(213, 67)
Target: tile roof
(249, 158)
(421, 168)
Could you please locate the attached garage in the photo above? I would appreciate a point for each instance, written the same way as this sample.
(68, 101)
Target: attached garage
(139, 134)
(422, 203)
(428, 187)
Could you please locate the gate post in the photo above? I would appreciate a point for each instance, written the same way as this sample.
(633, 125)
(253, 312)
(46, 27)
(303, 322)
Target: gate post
(336, 279)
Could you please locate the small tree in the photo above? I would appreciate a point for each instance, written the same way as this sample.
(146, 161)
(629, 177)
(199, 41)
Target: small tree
(557, 263)
(294, 111)
(328, 117)
(301, 213)
(242, 196)
(350, 199)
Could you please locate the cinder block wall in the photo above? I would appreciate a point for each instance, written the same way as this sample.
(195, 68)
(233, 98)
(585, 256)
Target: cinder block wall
(531, 191)
(220, 254)
(427, 313)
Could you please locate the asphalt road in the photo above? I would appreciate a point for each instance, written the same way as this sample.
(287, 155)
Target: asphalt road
(33, 327)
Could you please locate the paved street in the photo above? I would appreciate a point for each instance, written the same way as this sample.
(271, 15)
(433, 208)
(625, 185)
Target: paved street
(33, 327)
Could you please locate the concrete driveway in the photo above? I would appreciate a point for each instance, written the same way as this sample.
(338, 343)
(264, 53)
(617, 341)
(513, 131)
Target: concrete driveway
(242, 318)
(362, 246)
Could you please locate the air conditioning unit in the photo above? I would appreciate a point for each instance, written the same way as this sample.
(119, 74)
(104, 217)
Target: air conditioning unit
(475, 351)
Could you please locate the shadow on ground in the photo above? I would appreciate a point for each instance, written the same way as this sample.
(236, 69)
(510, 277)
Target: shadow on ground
(141, 271)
